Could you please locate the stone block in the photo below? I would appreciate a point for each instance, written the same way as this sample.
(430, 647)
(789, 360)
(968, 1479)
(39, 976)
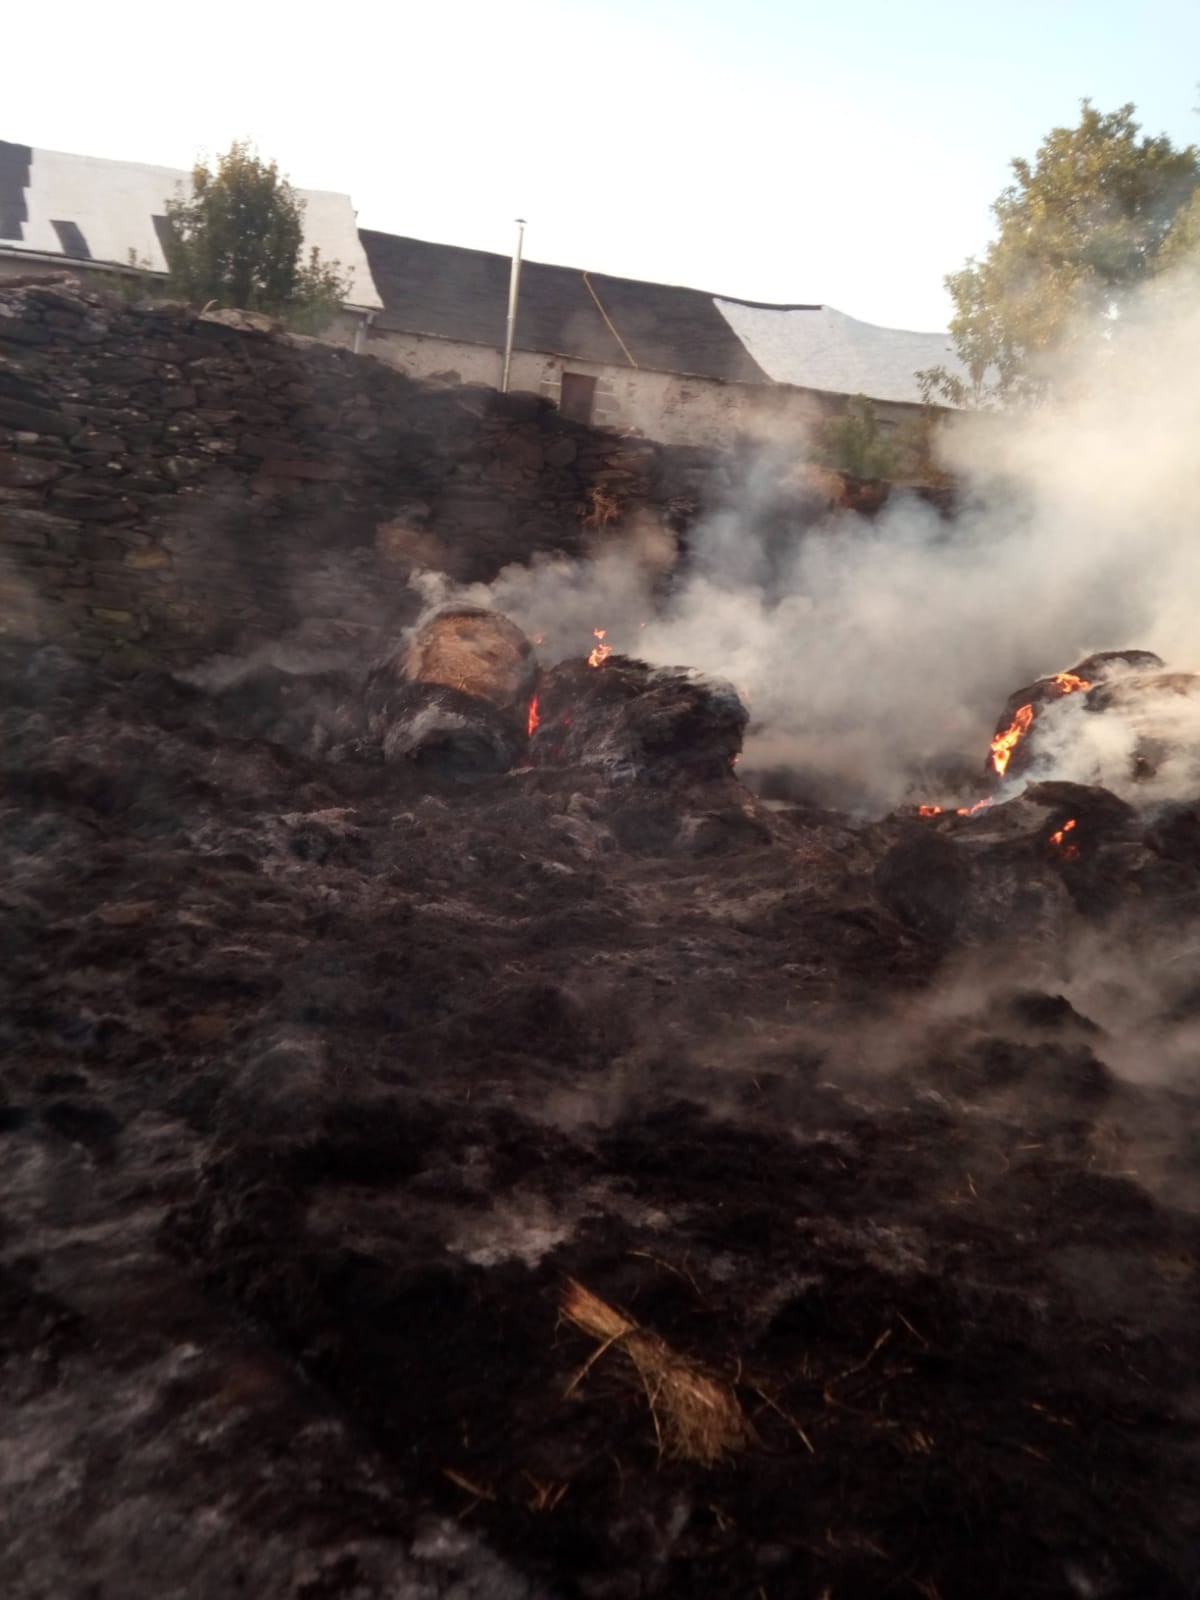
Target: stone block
(321, 471)
(20, 525)
(126, 660)
(147, 558)
(95, 439)
(560, 453)
(16, 386)
(20, 330)
(254, 444)
(52, 298)
(19, 471)
(35, 419)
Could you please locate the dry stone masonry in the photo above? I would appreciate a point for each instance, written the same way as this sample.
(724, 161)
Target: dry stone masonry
(174, 484)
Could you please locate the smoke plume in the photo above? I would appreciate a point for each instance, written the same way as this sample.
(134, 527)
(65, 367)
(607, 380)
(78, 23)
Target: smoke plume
(874, 657)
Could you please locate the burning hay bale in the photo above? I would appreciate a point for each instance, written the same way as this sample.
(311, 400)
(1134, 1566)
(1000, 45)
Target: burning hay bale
(473, 651)
(696, 1417)
(656, 724)
(1117, 720)
(1014, 747)
(455, 698)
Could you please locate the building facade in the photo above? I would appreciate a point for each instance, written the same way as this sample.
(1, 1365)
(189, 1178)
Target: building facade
(674, 364)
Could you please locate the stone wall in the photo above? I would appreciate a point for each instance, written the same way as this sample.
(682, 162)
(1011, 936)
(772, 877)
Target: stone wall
(173, 484)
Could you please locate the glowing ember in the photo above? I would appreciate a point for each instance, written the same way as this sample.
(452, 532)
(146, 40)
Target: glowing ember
(1005, 743)
(602, 651)
(534, 717)
(1059, 840)
(929, 811)
(1068, 683)
(980, 805)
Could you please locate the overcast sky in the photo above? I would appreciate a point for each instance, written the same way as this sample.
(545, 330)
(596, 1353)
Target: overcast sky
(844, 154)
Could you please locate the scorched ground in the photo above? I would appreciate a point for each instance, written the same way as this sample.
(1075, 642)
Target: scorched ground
(587, 1180)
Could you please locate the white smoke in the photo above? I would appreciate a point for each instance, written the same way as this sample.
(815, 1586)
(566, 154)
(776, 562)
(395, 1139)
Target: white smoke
(872, 655)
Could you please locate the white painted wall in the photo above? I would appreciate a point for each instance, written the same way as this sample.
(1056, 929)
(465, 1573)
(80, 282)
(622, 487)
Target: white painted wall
(666, 406)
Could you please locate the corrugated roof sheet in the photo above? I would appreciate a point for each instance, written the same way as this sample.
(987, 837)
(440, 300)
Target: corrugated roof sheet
(816, 347)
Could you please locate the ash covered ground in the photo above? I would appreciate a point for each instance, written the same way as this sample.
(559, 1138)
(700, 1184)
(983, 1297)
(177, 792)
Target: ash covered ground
(333, 1082)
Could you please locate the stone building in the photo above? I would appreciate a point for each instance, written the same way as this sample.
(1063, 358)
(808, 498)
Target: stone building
(675, 364)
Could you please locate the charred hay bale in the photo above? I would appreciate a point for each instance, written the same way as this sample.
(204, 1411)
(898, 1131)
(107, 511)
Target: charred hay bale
(452, 735)
(467, 649)
(655, 724)
(1025, 869)
(923, 880)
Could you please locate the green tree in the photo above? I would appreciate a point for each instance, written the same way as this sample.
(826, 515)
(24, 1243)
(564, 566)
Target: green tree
(1181, 247)
(1080, 227)
(855, 443)
(238, 239)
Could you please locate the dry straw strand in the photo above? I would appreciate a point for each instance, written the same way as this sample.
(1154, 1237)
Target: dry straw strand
(696, 1417)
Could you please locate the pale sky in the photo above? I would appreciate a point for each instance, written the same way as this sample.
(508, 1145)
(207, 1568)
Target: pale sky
(843, 154)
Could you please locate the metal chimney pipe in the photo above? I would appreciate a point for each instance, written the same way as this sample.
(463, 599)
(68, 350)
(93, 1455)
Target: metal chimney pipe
(514, 284)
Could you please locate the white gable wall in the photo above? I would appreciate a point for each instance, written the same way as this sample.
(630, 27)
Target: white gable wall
(113, 203)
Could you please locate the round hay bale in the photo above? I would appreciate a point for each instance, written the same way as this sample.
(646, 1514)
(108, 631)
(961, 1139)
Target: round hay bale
(475, 652)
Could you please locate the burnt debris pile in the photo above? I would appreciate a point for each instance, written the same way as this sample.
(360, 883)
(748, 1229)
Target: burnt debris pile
(589, 1179)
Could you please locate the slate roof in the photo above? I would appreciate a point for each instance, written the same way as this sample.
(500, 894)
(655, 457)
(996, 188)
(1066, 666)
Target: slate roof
(463, 294)
(86, 209)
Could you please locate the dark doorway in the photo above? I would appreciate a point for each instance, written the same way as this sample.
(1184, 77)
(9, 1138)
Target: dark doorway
(577, 397)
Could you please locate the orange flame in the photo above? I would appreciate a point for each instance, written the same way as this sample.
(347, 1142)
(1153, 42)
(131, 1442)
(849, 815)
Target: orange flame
(1068, 682)
(534, 717)
(959, 811)
(1058, 840)
(602, 651)
(1005, 743)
